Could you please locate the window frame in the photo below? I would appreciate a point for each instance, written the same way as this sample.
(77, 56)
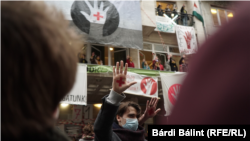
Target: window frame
(218, 15)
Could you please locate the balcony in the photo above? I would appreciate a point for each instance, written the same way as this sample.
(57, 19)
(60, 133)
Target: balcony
(177, 17)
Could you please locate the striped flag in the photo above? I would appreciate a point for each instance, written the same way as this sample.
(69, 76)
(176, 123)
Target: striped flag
(197, 13)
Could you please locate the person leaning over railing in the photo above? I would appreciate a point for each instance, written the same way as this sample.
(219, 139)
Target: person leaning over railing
(184, 15)
(159, 11)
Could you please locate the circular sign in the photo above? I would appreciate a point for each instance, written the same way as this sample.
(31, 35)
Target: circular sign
(173, 92)
(148, 86)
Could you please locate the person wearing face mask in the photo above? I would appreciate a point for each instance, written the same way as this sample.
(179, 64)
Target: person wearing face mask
(118, 121)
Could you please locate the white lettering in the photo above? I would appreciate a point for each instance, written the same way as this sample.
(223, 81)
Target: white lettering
(155, 132)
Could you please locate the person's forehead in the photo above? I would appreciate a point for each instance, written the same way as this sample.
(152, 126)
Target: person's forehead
(131, 110)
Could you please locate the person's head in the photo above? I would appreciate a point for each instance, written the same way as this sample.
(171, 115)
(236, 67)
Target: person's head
(128, 113)
(93, 54)
(98, 57)
(143, 60)
(156, 58)
(159, 6)
(88, 129)
(35, 48)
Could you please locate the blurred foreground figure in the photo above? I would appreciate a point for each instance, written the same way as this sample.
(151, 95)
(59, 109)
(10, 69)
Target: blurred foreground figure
(38, 69)
(217, 88)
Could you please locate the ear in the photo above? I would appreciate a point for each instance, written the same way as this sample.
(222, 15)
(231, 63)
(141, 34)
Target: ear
(118, 118)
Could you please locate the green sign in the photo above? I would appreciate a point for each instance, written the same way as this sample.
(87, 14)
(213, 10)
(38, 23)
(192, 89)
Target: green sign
(109, 69)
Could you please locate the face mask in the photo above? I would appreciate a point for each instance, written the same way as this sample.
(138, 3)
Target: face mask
(131, 124)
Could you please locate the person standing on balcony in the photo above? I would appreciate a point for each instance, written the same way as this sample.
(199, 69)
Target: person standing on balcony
(93, 58)
(143, 63)
(167, 66)
(184, 15)
(82, 59)
(167, 11)
(172, 63)
(159, 10)
(98, 60)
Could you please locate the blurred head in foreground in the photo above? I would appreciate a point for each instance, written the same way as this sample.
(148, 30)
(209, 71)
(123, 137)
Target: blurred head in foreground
(38, 65)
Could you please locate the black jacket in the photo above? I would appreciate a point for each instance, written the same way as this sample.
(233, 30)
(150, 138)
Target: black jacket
(104, 126)
(160, 11)
(173, 65)
(183, 14)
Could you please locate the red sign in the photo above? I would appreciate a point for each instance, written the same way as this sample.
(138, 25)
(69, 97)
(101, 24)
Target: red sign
(148, 86)
(173, 92)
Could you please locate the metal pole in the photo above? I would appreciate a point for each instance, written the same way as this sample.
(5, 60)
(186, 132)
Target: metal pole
(203, 20)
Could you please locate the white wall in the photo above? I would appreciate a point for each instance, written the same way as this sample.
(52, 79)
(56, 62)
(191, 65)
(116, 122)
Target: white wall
(148, 12)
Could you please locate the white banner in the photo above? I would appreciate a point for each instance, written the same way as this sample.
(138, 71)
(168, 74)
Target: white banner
(165, 24)
(145, 86)
(171, 84)
(186, 39)
(78, 94)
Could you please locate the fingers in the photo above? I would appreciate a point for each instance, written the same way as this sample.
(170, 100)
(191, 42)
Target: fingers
(151, 101)
(113, 71)
(126, 68)
(158, 110)
(89, 5)
(121, 69)
(147, 104)
(86, 16)
(117, 68)
(95, 4)
(156, 102)
(132, 83)
(101, 6)
(106, 10)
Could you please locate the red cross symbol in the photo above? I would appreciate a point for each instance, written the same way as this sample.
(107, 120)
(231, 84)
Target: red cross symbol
(120, 82)
(98, 16)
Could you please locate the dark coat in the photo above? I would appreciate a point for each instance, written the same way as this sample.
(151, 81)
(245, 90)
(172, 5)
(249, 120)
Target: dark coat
(183, 14)
(106, 130)
(160, 11)
(173, 65)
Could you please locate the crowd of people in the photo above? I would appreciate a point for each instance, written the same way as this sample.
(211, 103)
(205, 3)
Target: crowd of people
(94, 59)
(183, 16)
(170, 64)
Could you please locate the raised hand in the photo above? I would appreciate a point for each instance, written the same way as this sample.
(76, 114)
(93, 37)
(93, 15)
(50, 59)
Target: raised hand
(150, 110)
(97, 15)
(188, 38)
(119, 78)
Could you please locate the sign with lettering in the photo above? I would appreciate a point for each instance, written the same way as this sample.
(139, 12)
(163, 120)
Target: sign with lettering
(78, 94)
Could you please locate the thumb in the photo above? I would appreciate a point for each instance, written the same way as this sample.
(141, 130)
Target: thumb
(158, 110)
(130, 84)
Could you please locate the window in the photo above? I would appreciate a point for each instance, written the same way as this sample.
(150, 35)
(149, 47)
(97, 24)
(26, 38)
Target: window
(221, 16)
(161, 52)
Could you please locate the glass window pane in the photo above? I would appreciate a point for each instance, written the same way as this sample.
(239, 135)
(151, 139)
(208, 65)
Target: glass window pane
(174, 49)
(222, 14)
(160, 48)
(229, 15)
(214, 15)
(147, 46)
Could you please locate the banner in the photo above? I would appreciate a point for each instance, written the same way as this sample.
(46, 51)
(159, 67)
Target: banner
(78, 94)
(165, 24)
(171, 85)
(116, 23)
(145, 86)
(186, 39)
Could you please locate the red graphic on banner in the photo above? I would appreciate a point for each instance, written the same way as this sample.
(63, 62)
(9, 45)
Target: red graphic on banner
(188, 38)
(77, 112)
(120, 82)
(195, 5)
(98, 16)
(173, 91)
(148, 84)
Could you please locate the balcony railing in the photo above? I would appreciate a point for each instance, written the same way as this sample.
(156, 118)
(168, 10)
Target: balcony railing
(178, 20)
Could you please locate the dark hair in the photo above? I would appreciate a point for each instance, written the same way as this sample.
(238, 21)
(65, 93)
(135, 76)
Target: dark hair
(159, 6)
(124, 106)
(180, 62)
(39, 65)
